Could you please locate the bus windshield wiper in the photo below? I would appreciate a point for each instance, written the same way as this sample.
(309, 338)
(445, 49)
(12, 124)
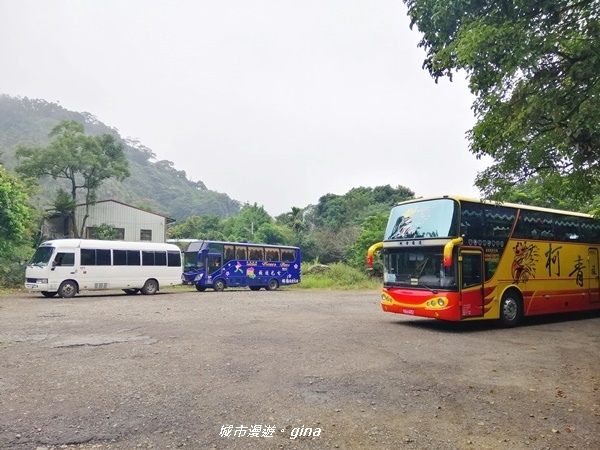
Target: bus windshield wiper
(434, 291)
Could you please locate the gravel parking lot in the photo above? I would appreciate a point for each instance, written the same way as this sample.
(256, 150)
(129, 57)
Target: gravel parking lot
(288, 369)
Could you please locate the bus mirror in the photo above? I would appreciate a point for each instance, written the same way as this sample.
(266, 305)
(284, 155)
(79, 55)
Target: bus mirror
(448, 250)
(370, 252)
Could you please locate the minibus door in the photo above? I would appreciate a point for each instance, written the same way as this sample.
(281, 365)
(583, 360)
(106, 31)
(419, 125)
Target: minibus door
(471, 283)
(63, 267)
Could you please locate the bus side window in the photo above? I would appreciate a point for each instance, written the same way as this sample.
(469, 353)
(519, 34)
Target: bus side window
(64, 259)
(229, 252)
(240, 252)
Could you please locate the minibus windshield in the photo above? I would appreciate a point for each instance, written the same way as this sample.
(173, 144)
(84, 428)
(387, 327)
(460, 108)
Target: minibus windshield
(41, 257)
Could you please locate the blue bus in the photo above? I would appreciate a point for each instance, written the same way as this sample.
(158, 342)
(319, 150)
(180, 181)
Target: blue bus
(219, 265)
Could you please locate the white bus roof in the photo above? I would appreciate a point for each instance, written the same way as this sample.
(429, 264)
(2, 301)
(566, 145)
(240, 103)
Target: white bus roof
(97, 243)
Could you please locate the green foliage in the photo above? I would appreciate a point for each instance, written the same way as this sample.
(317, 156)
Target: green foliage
(340, 211)
(198, 227)
(548, 191)
(105, 232)
(372, 231)
(340, 276)
(84, 161)
(534, 68)
(15, 215)
(244, 227)
(16, 227)
(270, 233)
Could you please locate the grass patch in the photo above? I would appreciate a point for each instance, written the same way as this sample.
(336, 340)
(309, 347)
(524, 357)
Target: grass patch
(5, 291)
(339, 276)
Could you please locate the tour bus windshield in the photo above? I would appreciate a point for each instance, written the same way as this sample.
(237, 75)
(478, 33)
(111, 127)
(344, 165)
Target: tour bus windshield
(423, 267)
(191, 261)
(427, 219)
(41, 256)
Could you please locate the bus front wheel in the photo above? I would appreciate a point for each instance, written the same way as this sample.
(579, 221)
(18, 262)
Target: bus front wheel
(511, 309)
(131, 291)
(150, 287)
(273, 285)
(48, 294)
(200, 288)
(67, 289)
(254, 288)
(219, 286)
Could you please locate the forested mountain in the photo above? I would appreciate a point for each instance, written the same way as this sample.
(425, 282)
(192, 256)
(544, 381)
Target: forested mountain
(154, 185)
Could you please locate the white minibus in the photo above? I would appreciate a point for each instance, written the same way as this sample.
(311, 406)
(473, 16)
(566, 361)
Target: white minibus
(68, 266)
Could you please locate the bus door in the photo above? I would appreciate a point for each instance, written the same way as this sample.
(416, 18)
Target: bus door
(471, 283)
(214, 263)
(594, 280)
(63, 266)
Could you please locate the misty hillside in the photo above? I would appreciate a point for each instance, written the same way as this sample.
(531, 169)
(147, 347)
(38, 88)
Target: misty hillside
(154, 185)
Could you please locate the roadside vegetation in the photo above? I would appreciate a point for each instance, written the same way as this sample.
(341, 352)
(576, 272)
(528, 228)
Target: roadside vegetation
(337, 276)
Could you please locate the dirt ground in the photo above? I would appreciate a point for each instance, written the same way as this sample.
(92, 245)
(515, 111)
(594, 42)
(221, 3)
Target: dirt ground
(287, 370)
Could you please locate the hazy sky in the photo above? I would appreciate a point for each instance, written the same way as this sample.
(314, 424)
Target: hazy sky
(274, 102)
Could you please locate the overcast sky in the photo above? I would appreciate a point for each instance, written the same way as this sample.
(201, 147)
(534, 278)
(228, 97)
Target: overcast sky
(274, 102)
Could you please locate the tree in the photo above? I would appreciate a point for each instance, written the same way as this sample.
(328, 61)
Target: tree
(16, 227)
(244, 226)
(534, 68)
(269, 233)
(372, 231)
(14, 210)
(105, 232)
(84, 161)
(207, 226)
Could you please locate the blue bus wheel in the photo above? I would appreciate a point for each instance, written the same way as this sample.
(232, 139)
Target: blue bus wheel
(219, 285)
(273, 285)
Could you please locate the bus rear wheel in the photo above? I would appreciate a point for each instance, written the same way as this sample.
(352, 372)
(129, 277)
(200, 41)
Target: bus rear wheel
(219, 286)
(273, 285)
(511, 309)
(67, 289)
(150, 287)
(200, 288)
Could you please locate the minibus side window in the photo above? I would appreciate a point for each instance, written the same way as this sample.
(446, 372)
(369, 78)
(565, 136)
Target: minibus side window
(64, 259)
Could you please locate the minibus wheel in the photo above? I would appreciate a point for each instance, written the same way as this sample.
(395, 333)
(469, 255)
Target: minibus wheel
(131, 291)
(273, 285)
(67, 289)
(150, 287)
(49, 294)
(219, 285)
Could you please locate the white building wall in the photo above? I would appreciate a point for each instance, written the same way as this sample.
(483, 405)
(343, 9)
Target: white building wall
(131, 219)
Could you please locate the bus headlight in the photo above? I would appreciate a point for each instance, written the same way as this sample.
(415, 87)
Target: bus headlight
(198, 277)
(386, 298)
(439, 302)
(42, 281)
